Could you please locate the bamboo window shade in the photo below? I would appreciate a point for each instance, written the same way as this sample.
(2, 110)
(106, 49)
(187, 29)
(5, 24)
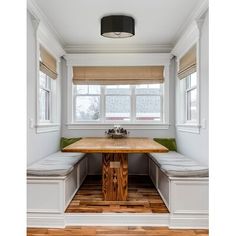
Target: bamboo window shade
(188, 63)
(48, 63)
(115, 75)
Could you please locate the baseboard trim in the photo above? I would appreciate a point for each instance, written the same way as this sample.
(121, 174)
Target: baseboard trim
(188, 222)
(117, 219)
(46, 220)
(114, 219)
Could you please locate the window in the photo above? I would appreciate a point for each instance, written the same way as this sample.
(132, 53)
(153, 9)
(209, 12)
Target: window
(149, 102)
(191, 97)
(118, 103)
(87, 100)
(44, 97)
(48, 100)
(187, 117)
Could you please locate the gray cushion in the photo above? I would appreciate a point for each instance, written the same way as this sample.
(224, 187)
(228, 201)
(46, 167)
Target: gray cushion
(185, 171)
(56, 164)
(67, 154)
(163, 158)
(178, 165)
(41, 169)
(70, 158)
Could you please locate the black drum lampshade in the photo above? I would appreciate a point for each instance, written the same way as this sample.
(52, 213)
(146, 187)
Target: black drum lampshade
(117, 26)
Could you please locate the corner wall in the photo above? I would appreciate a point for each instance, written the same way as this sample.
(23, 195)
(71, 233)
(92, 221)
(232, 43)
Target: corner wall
(193, 145)
(38, 144)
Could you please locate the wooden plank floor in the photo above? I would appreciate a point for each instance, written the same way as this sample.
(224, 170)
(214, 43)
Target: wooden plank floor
(115, 231)
(142, 198)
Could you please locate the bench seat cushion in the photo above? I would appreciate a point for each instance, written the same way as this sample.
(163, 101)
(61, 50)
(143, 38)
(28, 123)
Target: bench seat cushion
(185, 171)
(42, 169)
(57, 164)
(177, 165)
(70, 158)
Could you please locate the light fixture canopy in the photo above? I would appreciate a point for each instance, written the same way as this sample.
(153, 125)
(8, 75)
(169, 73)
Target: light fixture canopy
(117, 26)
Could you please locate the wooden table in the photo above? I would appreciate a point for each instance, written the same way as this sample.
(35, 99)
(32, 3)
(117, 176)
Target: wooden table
(115, 160)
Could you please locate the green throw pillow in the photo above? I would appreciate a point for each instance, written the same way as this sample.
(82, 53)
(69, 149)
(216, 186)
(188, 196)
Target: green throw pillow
(67, 141)
(167, 142)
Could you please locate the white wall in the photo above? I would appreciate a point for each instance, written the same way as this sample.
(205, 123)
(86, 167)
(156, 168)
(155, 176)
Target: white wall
(138, 164)
(38, 145)
(197, 145)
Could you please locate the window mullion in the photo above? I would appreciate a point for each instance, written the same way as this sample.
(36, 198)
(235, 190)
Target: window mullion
(102, 104)
(50, 106)
(133, 104)
(161, 108)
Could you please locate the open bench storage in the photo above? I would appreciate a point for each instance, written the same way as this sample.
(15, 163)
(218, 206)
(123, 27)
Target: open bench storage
(53, 181)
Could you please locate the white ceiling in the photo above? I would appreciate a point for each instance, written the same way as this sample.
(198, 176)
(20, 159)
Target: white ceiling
(157, 22)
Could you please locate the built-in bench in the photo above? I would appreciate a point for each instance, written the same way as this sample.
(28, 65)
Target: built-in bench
(53, 181)
(181, 182)
(183, 186)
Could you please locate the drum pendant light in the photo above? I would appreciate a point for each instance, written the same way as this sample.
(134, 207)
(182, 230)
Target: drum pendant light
(117, 26)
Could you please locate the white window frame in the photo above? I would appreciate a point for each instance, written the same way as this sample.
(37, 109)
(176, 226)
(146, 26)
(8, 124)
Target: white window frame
(84, 95)
(189, 38)
(49, 90)
(53, 124)
(183, 124)
(105, 124)
(103, 110)
(162, 111)
(132, 117)
(186, 91)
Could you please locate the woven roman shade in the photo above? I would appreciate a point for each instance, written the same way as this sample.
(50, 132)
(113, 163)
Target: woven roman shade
(48, 63)
(188, 63)
(118, 75)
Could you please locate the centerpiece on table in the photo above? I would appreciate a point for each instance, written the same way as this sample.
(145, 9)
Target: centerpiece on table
(117, 132)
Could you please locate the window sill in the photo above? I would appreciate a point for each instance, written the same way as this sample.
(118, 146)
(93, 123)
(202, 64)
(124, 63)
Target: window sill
(47, 127)
(99, 126)
(189, 128)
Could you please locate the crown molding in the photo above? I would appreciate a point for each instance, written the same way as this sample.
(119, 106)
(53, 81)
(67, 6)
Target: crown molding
(34, 9)
(194, 17)
(45, 38)
(138, 48)
(187, 40)
(198, 12)
(118, 59)
(35, 20)
(190, 36)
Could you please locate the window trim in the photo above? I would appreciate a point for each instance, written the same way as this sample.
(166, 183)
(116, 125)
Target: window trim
(49, 90)
(117, 121)
(132, 117)
(85, 95)
(53, 124)
(182, 124)
(191, 37)
(161, 105)
(186, 91)
(107, 124)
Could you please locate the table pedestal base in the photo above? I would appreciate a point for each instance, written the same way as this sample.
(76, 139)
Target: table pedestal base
(115, 176)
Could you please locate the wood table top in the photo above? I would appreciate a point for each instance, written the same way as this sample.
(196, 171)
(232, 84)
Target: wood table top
(109, 145)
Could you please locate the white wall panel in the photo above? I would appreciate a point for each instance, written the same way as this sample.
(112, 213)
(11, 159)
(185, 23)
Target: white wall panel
(43, 144)
(196, 145)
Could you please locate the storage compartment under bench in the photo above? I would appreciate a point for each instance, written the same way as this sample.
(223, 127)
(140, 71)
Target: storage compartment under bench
(182, 195)
(52, 194)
